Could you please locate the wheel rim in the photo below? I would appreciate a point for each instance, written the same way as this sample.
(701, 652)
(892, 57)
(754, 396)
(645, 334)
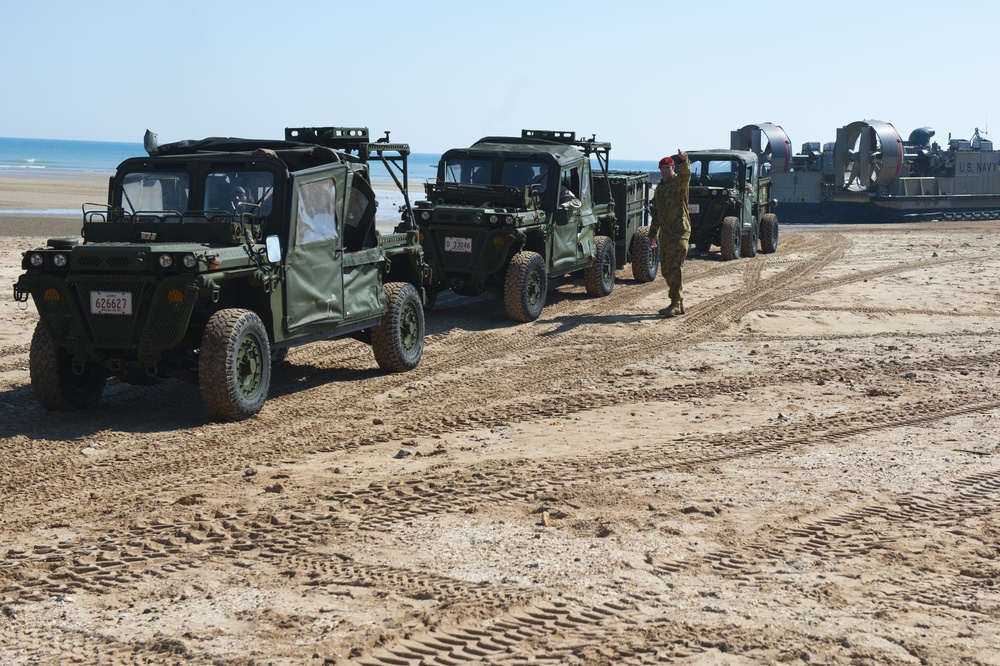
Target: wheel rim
(409, 328)
(249, 367)
(607, 268)
(533, 288)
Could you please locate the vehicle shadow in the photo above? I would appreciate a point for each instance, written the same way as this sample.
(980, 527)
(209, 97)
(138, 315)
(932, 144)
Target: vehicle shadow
(568, 323)
(168, 406)
(712, 256)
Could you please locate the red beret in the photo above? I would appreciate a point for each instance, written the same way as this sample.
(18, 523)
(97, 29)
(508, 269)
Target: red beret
(667, 160)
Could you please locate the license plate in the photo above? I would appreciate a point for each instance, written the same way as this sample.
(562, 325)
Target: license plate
(453, 244)
(692, 209)
(111, 302)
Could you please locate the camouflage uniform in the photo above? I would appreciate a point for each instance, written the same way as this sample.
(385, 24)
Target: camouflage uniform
(671, 226)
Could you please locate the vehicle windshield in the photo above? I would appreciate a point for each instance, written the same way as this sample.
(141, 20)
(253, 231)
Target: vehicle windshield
(159, 191)
(469, 171)
(513, 173)
(718, 171)
(238, 192)
(519, 174)
(223, 193)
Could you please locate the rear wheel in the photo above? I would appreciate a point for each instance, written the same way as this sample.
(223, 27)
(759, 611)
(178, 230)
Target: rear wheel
(524, 286)
(769, 233)
(748, 244)
(732, 234)
(56, 385)
(600, 275)
(645, 261)
(234, 364)
(398, 340)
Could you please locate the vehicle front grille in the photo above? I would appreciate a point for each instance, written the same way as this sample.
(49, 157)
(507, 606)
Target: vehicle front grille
(455, 218)
(107, 330)
(156, 320)
(98, 261)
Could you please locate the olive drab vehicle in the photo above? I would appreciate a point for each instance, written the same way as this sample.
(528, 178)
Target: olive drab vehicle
(730, 204)
(212, 258)
(507, 213)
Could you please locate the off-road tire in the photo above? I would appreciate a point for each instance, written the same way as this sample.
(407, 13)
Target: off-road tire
(398, 340)
(748, 244)
(55, 384)
(769, 234)
(645, 260)
(524, 286)
(234, 364)
(599, 277)
(731, 235)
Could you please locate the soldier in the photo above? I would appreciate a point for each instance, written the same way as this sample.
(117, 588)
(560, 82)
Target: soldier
(671, 226)
(238, 198)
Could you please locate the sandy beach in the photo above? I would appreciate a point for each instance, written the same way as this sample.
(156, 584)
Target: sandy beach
(804, 468)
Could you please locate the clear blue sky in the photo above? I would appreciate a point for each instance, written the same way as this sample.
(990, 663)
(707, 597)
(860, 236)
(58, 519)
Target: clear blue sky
(647, 76)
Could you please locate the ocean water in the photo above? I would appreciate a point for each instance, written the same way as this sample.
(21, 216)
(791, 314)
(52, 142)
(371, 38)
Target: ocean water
(60, 156)
(103, 157)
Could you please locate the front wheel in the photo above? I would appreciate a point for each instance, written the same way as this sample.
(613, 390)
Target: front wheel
(645, 261)
(234, 364)
(56, 384)
(769, 234)
(600, 275)
(729, 242)
(398, 340)
(524, 286)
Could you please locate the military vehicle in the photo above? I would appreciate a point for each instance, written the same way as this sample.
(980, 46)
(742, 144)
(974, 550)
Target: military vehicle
(730, 204)
(211, 258)
(507, 213)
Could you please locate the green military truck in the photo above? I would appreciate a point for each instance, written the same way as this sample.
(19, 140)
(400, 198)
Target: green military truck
(730, 204)
(211, 258)
(507, 213)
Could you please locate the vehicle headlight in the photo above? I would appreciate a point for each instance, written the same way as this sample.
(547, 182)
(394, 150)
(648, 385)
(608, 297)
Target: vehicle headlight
(36, 260)
(190, 261)
(166, 261)
(426, 215)
(60, 260)
(509, 219)
(494, 219)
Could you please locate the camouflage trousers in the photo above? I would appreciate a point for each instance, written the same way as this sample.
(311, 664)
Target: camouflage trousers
(672, 255)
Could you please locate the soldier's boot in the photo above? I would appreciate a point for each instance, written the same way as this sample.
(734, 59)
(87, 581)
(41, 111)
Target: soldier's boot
(679, 310)
(670, 310)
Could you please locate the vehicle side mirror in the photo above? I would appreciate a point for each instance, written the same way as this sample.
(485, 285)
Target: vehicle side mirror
(273, 246)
